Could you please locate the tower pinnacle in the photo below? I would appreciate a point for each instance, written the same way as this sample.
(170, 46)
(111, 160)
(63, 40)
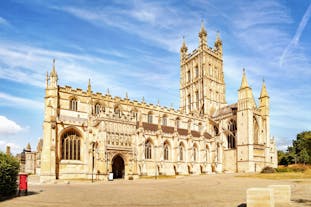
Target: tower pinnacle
(244, 83)
(89, 87)
(263, 92)
(202, 36)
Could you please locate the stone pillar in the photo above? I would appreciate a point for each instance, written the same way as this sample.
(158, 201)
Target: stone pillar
(281, 193)
(260, 197)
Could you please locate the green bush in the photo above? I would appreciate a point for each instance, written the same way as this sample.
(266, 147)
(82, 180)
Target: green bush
(284, 169)
(9, 168)
(268, 169)
(292, 168)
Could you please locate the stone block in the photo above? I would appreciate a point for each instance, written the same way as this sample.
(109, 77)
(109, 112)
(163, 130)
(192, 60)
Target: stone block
(281, 193)
(260, 197)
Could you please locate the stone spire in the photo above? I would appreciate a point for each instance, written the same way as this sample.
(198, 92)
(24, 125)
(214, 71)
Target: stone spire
(53, 73)
(28, 147)
(202, 36)
(263, 92)
(218, 43)
(246, 94)
(183, 50)
(53, 76)
(89, 87)
(264, 100)
(244, 83)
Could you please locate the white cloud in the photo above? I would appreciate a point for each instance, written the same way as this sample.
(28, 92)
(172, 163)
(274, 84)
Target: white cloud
(8, 126)
(15, 148)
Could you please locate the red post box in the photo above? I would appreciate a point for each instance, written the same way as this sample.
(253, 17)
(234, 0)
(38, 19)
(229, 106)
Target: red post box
(23, 185)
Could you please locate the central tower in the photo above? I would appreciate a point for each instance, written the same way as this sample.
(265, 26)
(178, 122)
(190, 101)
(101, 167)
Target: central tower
(202, 85)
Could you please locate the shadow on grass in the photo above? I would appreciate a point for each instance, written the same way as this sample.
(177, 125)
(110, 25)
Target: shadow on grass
(242, 205)
(9, 197)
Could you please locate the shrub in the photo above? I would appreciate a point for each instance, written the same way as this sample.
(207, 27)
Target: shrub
(268, 169)
(9, 167)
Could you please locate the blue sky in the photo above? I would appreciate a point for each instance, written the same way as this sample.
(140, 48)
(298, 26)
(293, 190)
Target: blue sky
(134, 47)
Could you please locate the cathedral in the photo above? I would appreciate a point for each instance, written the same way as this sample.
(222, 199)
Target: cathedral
(88, 134)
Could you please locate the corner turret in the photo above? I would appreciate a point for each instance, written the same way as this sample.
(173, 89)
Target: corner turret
(218, 44)
(53, 78)
(246, 97)
(183, 51)
(202, 36)
(264, 100)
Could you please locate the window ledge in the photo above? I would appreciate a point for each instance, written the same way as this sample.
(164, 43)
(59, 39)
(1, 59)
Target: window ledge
(71, 162)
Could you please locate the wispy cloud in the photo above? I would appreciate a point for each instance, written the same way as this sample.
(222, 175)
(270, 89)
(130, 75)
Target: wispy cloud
(295, 40)
(18, 102)
(3, 21)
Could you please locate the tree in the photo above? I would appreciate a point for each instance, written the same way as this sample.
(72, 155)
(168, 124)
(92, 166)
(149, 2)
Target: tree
(9, 167)
(299, 152)
(304, 156)
(302, 147)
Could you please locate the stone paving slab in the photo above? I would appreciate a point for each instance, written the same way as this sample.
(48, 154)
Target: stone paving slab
(224, 190)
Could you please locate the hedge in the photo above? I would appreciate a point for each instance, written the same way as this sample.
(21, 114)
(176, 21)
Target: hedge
(9, 167)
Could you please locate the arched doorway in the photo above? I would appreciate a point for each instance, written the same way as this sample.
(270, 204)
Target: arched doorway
(118, 167)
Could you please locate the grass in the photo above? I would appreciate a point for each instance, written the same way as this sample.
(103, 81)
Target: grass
(284, 173)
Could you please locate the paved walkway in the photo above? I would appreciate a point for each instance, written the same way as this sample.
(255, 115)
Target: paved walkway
(208, 190)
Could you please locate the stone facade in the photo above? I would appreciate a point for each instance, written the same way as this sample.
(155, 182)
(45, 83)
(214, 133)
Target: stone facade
(29, 161)
(87, 133)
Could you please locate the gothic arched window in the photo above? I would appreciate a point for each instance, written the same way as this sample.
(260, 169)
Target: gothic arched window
(150, 117)
(74, 104)
(166, 151)
(70, 145)
(195, 153)
(196, 71)
(197, 100)
(164, 120)
(189, 103)
(177, 122)
(148, 149)
(181, 151)
(97, 108)
(117, 111)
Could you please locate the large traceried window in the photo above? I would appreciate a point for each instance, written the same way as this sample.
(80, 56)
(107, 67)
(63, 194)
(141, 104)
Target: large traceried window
(231, 141)
(231, 137)
(256, 131)
(166, 151)
(73, 104)
(71, 142)
(148, 149)
(181, 152)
